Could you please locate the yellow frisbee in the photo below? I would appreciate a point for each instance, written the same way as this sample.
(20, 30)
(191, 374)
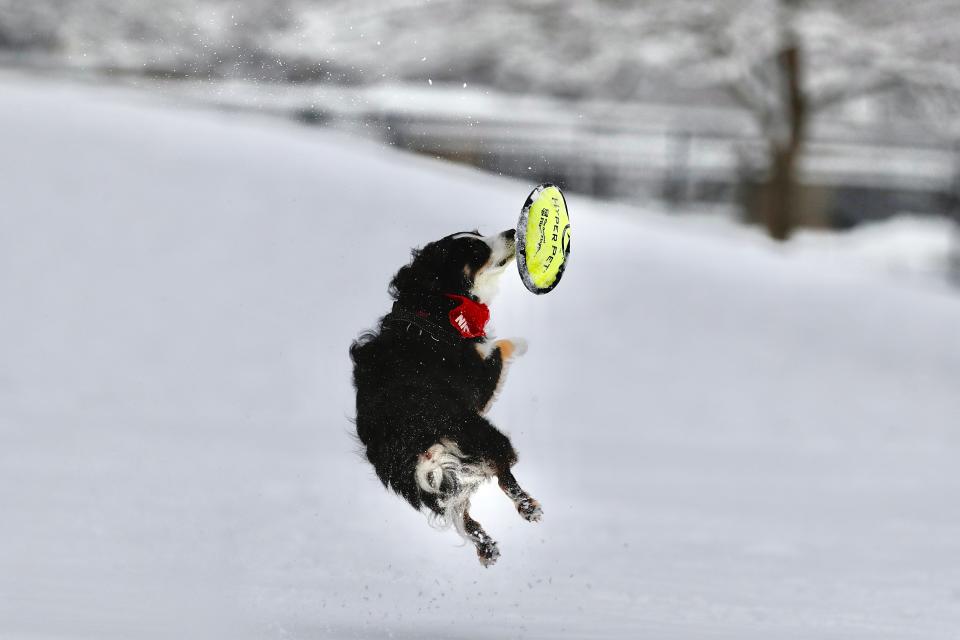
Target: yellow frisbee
(543, 239)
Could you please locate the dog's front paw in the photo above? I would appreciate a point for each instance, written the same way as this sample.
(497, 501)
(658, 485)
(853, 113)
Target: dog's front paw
(519, 346)
(488, 553)
(530, 510)
(512, 347)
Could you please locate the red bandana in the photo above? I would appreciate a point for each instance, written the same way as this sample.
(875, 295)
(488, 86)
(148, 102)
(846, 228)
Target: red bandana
(469, 317)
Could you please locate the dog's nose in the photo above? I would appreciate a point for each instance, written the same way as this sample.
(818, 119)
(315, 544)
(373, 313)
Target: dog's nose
(510, 234)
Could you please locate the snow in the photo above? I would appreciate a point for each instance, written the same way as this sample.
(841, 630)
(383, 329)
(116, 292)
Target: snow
(728, 439)
(909, 247)
(583, 48)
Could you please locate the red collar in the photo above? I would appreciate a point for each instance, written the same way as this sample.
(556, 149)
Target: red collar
(469, 318)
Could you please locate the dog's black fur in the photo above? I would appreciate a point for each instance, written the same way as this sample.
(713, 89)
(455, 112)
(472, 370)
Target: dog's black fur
(420, 384)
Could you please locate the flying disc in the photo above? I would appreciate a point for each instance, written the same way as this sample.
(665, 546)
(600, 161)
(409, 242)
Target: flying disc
(543, 239)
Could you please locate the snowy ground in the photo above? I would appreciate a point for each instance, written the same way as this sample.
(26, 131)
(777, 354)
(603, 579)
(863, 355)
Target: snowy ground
(744, 442)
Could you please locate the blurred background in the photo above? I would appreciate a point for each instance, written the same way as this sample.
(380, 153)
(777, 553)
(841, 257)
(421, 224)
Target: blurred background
(792, 114)
(750, 428)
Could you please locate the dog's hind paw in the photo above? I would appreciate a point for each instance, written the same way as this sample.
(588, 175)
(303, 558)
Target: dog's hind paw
(530, 510)
(488, 553)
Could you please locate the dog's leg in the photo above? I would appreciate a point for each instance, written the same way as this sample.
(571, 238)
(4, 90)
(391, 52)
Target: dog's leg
(528, 508)
(511, 348)
(496, 357)
(487, 549)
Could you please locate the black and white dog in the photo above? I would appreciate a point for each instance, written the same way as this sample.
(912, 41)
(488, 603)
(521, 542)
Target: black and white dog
(428, 374)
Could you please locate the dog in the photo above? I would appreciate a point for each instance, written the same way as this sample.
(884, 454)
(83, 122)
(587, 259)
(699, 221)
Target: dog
(428, 374)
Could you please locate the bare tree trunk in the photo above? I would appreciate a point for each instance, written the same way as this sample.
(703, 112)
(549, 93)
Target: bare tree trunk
(953, 266)
(780, 202)
(779, 214)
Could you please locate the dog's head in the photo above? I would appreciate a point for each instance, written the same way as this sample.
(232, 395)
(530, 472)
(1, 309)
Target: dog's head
(465, 263)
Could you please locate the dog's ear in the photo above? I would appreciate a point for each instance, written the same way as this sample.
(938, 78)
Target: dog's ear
(411, 278)
(403, 282)
(432, 270)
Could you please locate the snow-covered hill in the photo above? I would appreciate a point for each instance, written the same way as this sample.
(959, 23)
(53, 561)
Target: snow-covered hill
(744, 442)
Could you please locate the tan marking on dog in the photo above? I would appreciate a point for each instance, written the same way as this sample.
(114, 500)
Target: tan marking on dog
(486, 264)
(473, 274)
(506, 348)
